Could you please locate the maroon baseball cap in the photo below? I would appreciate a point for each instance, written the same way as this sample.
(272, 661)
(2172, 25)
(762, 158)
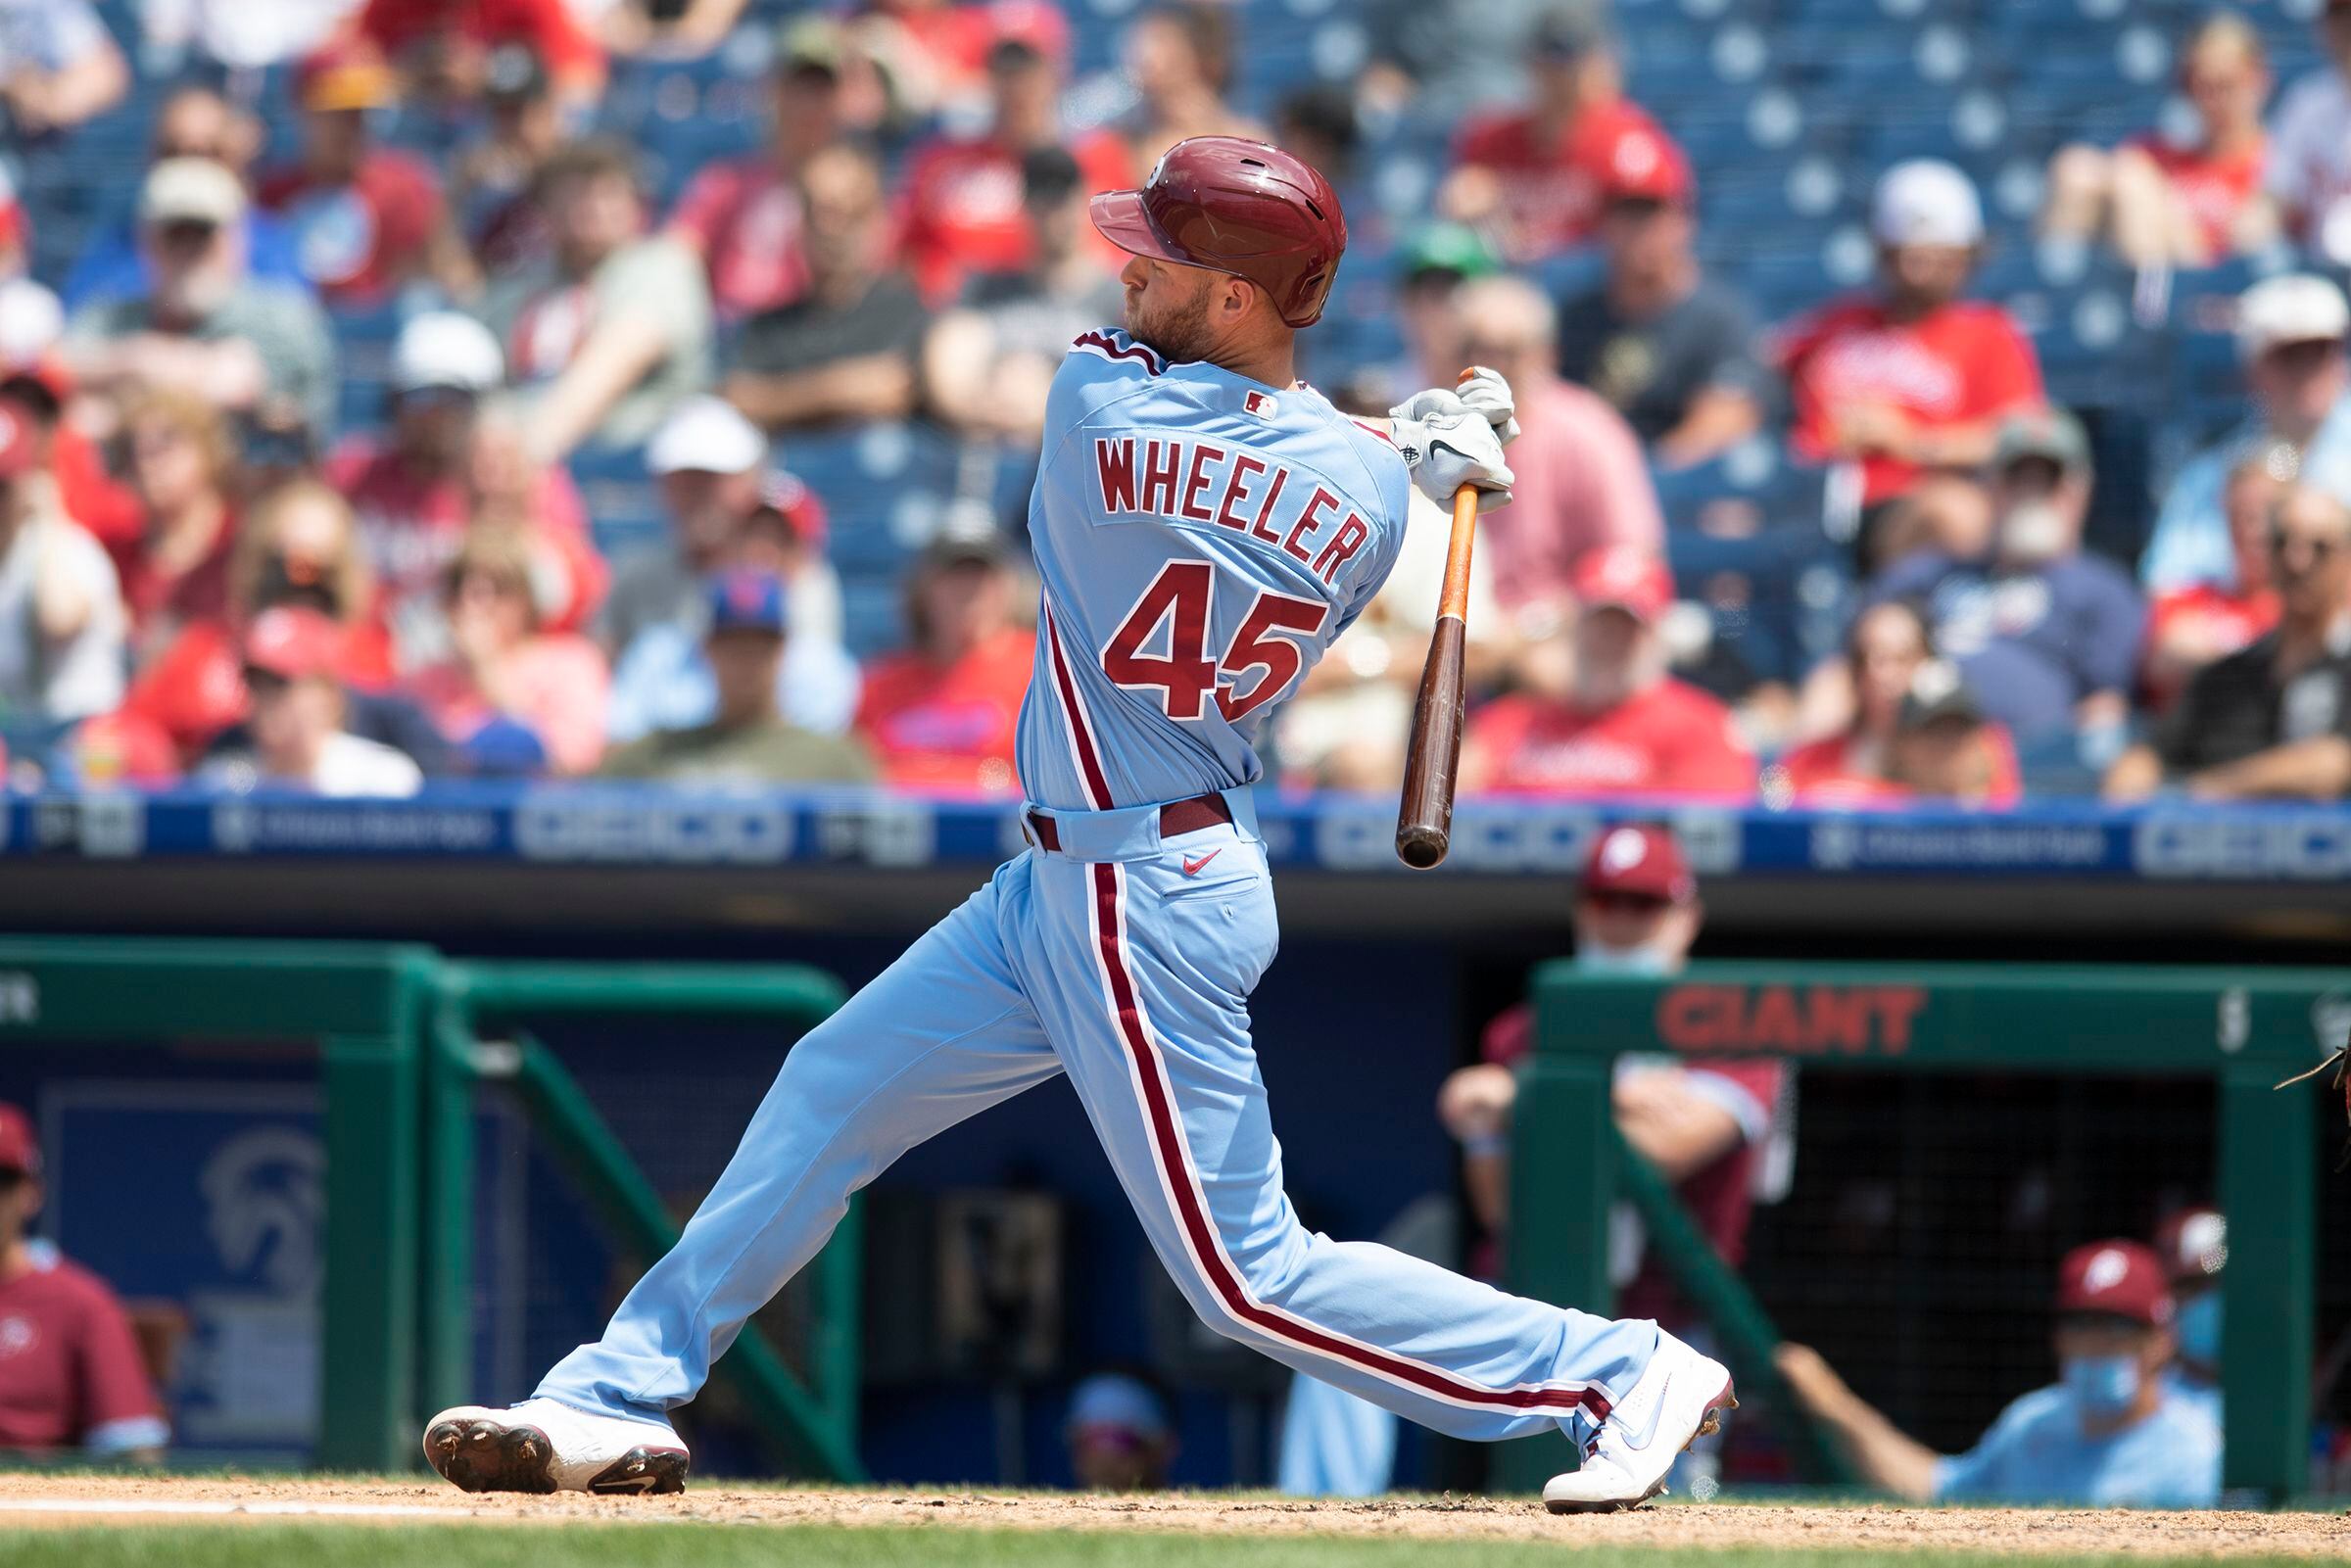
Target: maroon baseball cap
(20, 1150)
(2193, 1245)
(2115, 1278)
(1629, 579)
(1641, 860)
(1643, 165)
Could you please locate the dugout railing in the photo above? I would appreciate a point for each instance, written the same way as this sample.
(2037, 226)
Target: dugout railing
(2243, 1030)
(404, 1040)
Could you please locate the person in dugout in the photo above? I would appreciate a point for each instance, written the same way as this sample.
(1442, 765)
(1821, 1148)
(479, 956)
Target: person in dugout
(70, 1376)
(1718, 1130)
(2112, 1432)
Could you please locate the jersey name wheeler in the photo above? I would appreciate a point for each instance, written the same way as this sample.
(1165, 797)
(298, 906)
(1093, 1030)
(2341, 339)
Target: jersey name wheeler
(1202, 539)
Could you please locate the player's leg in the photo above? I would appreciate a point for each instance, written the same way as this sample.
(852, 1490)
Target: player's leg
(1142, 979)
(942, 1034)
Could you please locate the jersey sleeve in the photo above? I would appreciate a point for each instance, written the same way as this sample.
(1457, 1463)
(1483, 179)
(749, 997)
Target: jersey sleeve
(117, 1406)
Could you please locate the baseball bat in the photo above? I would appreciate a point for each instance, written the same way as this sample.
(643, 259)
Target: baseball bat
(1424, 818)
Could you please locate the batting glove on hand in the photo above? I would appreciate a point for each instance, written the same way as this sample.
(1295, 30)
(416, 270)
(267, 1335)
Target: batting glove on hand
(1447, 444)
(1485, 391)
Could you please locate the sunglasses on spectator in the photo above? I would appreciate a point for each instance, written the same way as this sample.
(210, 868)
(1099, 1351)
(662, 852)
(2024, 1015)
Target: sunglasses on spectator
(2321, 548)
(263, 684)
(1612, 901)
(2307, 355)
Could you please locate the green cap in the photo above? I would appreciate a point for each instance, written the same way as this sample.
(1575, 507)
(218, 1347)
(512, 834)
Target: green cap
(2051, 434)
(1452, 248)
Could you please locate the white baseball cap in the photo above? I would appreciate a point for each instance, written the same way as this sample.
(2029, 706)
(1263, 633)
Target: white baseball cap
(31, 320)
(191, 190)
(443, 349)
(1926, 201)
(705, 435)
(2298, 308)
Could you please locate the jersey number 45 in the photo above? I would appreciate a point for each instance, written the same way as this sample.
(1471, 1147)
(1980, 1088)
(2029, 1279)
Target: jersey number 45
(1180, 598)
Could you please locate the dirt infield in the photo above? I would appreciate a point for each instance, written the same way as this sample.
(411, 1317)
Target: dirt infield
(32, 1500)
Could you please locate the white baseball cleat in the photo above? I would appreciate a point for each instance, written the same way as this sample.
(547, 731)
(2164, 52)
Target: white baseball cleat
(543, 1446)
(1679, 1397)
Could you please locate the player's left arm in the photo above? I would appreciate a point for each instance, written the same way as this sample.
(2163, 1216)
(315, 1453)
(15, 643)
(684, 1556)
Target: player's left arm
(1670, 1121)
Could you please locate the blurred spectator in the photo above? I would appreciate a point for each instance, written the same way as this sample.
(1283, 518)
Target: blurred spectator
(987, 363)
(31, 326)
(508, 486)
(2193, 1247)
(1433, 261)
(206, 324)
(504, 667)
(1120, 1434)
(1345, 728)
(1535, 176)
(299, 546)
(846, 348)
(1443, 59)
(1708, 1126)
(2046, 632)
(417, 488)
(940, 715)
(2273, 719)
(2162, 204)
(2290, 339)
(442, 47)
(2309, 173)
(1317, 124)
(744, 742)
(2191, 627)
(492, 184)
(59, 66)
(365, 218)
(743, 216)
(240, 34)
(665, 29)
(1178, 59)
(960, 207)
(62, 625)
(610, 328)
(1887, 650)
(1943, 747)
(192, 122)
(1913, 378)
(711, 465)
(294, 728)
(1583, 485)
(182, 465)
(71, 1374)
(766, 522)
(2107, 1434)
(1670, 349)
(1625, 726)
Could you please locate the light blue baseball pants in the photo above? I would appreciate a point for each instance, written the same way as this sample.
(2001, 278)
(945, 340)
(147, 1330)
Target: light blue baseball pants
(1125, 960)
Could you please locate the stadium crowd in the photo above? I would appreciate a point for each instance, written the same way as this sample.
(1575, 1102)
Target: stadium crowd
(527, 388)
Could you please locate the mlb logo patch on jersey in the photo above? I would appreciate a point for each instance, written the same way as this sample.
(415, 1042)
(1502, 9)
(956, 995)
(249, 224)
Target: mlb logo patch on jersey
(1261, 405)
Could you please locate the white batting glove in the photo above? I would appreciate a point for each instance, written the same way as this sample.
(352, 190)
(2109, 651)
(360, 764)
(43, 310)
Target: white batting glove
(1447, 444)
(1486, 392)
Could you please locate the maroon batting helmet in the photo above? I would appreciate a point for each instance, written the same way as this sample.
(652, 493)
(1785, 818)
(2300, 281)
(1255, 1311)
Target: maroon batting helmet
(1235, 206)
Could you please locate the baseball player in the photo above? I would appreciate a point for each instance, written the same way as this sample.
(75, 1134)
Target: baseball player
(1205, 526)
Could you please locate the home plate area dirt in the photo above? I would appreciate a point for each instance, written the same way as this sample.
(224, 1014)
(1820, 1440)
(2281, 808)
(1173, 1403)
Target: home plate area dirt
(33, 1500)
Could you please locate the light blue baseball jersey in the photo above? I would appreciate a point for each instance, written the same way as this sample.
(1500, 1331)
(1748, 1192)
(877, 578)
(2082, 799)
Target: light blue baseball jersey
(1203, 538)
(2038, 1452)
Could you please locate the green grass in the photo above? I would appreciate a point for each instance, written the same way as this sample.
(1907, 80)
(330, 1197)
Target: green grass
(712, 1546)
